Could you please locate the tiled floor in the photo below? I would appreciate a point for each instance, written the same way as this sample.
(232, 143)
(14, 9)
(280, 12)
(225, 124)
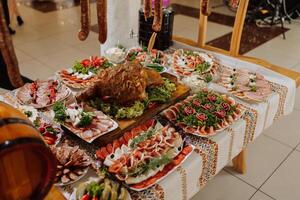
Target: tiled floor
(47, 42)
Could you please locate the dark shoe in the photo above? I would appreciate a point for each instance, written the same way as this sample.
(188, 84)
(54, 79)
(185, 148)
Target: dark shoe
(20, 20)
(11, 31)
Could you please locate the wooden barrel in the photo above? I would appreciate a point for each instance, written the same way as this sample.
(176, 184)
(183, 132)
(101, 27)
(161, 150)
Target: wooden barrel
(27, 166)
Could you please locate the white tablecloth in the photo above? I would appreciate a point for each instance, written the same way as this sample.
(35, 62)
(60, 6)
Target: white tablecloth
(212, 155)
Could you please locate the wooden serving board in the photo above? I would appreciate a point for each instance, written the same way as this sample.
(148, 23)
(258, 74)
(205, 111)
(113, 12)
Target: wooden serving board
(181, 92)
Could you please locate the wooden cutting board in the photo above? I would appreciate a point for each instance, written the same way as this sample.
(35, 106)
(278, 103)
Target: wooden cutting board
(181, 92)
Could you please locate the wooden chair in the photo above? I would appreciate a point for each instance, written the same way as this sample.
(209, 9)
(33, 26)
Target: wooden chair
(239, 162)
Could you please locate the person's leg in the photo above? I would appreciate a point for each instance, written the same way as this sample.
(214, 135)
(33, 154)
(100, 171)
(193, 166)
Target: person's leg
(14, 11)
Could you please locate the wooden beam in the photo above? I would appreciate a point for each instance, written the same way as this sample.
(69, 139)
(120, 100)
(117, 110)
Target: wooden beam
(238, 28)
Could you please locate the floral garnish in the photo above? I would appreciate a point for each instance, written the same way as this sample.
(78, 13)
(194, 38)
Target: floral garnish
(189, 110)
(225, 106)
(201, 116)
(220, 114)
(211, 97)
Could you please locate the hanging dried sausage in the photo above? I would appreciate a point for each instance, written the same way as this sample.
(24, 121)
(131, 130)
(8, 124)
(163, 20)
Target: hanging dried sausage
(102, 20)
(85, 20)
(147, 9)
(157, 21)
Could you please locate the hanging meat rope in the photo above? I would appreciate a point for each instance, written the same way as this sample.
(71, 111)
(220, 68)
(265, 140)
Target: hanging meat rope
(8, 53)
(147, 9)
(102, 20)
(85, 20)
(158, 14)
(205, 7)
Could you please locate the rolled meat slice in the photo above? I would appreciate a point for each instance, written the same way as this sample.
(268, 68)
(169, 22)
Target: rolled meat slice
(204, 7)
(157, 21)
(147, 9)
(85, 20)
(102, 20)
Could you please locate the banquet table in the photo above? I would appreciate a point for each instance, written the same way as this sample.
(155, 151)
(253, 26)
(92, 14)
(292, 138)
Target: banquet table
(212, 154)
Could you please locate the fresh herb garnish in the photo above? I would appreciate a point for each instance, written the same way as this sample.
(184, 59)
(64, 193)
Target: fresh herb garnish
(51, 130)
(28, 113)
(132, 56)
(79, 68)
(60, 112)
(144, 49)
(107, 64)
(253, 88)
(86, 119)
(161, 94)
(153, 164)
(120, 112)
(208, 78)
(142, 137)
(95, 189)
(202, 67)
(156, 67)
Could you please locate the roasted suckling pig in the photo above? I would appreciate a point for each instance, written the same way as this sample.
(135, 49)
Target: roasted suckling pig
(124, 84)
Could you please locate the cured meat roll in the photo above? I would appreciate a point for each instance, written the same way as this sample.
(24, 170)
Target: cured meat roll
(204, 7)
(157, 21)
(102, 20)
(85, 20)
(147, 9)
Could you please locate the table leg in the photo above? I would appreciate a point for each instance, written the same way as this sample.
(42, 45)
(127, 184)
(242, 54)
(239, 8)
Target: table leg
(239, 162)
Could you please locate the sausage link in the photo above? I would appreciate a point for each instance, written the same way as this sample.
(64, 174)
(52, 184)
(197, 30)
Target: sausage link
(85, 20)
(157, 21)
(147, 9)
(102, 20)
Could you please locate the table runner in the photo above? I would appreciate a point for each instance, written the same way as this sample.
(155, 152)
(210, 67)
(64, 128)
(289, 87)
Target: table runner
(212, 154)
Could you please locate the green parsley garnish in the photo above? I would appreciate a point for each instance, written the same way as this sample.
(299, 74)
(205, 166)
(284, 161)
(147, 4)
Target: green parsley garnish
(153, 164)
(202, 67)
(28, 113)
(60, 112)
(86, 119)
(95, 189)
(161, 94)
(142, 137)
(208, 78)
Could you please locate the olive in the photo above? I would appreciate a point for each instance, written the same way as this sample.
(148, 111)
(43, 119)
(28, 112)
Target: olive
(112, 156)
